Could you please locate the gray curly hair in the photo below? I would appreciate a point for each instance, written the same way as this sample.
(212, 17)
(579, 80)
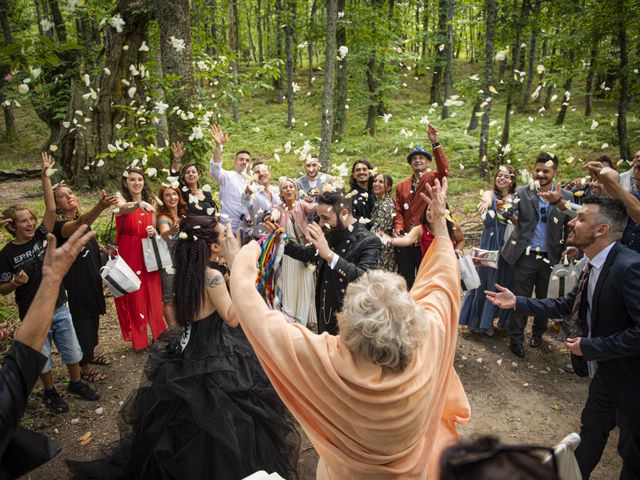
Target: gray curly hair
(381, 321)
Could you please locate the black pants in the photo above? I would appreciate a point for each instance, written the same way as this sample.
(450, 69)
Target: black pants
(530, 273)
(601, 414)
(408, 260)
(86, 326)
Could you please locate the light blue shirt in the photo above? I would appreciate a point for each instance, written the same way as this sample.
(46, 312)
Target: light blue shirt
(539, 238)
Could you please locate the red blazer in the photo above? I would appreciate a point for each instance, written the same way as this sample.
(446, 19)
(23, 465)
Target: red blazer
(410, 206)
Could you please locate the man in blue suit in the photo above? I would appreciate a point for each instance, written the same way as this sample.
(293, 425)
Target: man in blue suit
(605, 306)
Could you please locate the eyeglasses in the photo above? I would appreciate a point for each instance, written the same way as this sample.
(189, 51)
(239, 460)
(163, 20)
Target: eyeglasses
(543, 214)
(467, 457)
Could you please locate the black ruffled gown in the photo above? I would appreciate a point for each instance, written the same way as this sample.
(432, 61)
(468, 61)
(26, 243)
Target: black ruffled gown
(208, 413)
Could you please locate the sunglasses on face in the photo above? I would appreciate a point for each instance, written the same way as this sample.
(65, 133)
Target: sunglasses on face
(543, 214)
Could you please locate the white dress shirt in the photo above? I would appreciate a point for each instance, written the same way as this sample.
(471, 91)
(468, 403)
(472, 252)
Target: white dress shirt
(232, 187)
(596, 263)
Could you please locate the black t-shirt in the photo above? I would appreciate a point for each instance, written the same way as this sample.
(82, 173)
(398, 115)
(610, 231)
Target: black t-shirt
(83, 282)
(27, 257)
(203, 207)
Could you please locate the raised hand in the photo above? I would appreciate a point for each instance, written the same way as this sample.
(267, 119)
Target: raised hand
(47, 161)
(503, 298)
(107, 200)
(433, 133)
(177, 151)
(436, 199)
(230, 244)
(147, 207)
(219, 137)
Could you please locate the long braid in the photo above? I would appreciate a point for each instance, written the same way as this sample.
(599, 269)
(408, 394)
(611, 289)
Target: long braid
(192, 253)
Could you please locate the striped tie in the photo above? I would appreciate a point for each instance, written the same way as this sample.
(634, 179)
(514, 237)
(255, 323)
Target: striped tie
(571, 325)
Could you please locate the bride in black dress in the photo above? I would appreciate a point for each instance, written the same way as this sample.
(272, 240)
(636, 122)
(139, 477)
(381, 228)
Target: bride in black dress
(207, 410)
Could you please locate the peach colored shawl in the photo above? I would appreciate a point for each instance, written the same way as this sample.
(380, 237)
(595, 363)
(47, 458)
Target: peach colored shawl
(365, 423)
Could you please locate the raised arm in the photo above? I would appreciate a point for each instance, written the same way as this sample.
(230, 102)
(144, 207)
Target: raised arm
(613, 188)
(442, 164)
(49, 218)
(105, 201)
(219, 138)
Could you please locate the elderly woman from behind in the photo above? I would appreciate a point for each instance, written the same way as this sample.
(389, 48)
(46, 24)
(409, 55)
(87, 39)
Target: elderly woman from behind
(381, 400)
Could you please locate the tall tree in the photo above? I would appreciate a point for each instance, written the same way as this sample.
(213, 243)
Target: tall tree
(174, 22)
(566, 96)
(259, 27)
(341, 99)
(326, 135)
(589, 80)
(623, 102)
(278, 27)
(288, 45)
(449, 49)
(483, 150)
(80, 142)
(9, 119)
(533, 41)
(232, 20)
(519, 20)
(311, 37)
(441, 56)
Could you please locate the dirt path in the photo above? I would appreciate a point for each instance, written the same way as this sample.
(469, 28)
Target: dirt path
(530, 401)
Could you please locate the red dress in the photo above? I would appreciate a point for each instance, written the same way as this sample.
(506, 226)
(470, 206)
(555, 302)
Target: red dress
(137, 309)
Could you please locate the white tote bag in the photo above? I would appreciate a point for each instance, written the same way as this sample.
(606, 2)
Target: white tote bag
(563, 279)
(156, 253)
(119, 277)
(468, 273)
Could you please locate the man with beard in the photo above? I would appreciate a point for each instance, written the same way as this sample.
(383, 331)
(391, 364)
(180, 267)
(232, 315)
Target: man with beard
(342, 249)
(410, 205)
(605, 306)
(535, 245)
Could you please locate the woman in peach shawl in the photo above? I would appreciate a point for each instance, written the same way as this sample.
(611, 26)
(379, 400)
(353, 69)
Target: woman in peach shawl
(381, 400)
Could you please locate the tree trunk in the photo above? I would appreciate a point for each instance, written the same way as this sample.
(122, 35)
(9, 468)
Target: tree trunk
(512, 84)
(232, 14)
(425, 29)
(81, 142)
(374, 73)
(566, 96)
(589, 83)
(327, 89)
(310, 38)
(60, 30)
(449, 49)
(483, 150)
(174, 20)
(288, 44)
(278, 81)
(259, 26)
(249, 36)
(623, 102)
(441, 55)
(10, 131)
(532, 54)
(341, 99)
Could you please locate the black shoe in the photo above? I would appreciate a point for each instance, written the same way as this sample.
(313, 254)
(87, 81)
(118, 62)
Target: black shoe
(535, 342)
(55, 403)
(84, 391)
(568, 368)
(518, 350)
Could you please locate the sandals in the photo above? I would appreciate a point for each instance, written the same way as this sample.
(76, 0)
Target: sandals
(93, 376)
(101, 360)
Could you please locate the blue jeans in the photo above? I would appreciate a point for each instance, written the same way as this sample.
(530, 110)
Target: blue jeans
(64, 335)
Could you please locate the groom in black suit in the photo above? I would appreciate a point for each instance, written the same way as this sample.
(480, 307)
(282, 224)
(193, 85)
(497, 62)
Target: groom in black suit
(606, 306)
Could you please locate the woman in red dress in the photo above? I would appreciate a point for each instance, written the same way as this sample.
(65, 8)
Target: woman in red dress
(137, 309)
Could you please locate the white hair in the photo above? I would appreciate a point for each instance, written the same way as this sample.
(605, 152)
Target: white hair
(380, 320)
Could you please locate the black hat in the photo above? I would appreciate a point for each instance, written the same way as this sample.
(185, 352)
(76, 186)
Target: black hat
(418, 150)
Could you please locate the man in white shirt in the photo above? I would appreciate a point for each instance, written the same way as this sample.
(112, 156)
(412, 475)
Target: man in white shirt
(232, 184)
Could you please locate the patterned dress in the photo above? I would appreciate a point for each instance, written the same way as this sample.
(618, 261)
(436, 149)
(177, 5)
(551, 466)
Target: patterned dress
(382, 219)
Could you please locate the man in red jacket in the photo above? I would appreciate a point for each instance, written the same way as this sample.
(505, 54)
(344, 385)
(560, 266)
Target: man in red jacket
(409, 204)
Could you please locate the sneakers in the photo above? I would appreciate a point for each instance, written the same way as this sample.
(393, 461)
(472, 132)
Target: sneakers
(55, 402)
(82, 389)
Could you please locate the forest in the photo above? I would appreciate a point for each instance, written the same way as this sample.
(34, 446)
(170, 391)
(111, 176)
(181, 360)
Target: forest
(114, 83)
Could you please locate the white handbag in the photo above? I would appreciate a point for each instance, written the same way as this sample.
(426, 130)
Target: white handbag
(468, 273)
(485, 258)
(156, 253)
(119, 277)
(562, 280)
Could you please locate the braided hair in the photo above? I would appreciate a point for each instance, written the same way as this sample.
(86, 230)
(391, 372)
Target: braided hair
(193, 249)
